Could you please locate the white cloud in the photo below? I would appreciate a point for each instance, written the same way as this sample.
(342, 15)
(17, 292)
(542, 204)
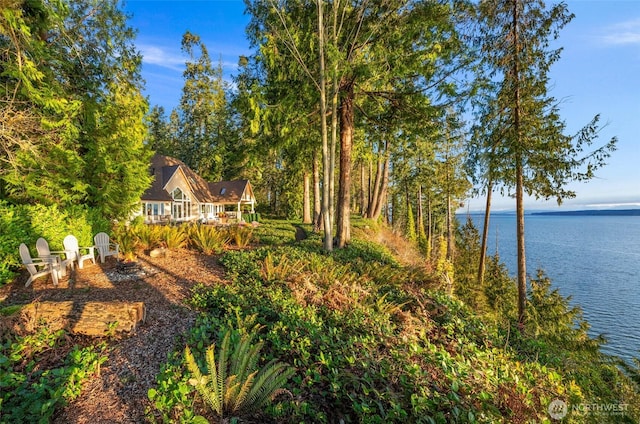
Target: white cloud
(175, 60)
(627, 32)
(630, 205)
(156, 55)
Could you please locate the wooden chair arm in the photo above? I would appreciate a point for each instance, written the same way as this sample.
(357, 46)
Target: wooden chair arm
(48, 258)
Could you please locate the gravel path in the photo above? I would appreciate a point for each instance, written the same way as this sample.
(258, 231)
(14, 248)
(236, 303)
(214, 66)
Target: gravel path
(119, 393)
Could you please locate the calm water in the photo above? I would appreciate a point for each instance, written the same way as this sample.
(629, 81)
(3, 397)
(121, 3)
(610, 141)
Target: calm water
(593, 259)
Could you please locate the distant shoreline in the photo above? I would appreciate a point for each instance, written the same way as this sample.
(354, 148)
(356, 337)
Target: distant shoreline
(594, 212)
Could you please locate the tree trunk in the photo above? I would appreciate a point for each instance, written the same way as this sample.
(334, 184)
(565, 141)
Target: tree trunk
(419, 215)
(382, 191)
(369, 186)
(306, 200)
(362, 208)
(522, 262)
(485, 234)
(317, 200)
(346, 145)
(429, 228)
(373, 198)
(326, 155)
(451, 239)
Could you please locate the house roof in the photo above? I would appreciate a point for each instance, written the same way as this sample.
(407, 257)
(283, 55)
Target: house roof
(163, 169)
(229, 191)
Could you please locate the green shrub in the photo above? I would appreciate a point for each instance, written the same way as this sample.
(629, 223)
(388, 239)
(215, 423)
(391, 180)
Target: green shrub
(232, 384)
(207, 239)
(32, 394)
(240, 235)
(150, 236)
(26, 223)
(174, 237)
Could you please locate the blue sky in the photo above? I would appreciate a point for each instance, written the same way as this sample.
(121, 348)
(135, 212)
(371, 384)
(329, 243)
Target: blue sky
(599, 72)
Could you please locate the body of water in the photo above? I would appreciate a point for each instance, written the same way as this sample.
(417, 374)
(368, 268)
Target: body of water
(593, 259)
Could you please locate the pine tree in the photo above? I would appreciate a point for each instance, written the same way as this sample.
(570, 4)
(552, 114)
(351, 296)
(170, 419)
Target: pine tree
(531, 153)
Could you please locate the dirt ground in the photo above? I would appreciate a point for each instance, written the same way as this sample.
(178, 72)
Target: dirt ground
(119, 393)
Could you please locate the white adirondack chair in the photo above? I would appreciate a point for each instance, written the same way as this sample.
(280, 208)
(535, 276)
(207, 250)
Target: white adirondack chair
(105, 246)
(70, 243)
(42, 246)
(39, 267)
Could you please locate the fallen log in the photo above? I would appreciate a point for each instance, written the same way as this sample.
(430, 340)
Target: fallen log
(88, 318)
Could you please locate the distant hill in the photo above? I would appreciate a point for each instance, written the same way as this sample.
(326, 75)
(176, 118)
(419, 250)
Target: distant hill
(594, 212)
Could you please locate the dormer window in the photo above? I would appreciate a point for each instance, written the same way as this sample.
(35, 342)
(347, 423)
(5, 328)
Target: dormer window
(223, 190)
(177, 194)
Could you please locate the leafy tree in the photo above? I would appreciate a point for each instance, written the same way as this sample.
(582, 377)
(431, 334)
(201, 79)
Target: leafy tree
(120, 159)
(36, 141)
(71, 94)
(204, 119)
(532, 155)
(159, 136)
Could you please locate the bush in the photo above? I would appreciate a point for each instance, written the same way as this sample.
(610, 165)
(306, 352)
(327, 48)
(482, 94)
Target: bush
(207, 239)
(31, 394)
(231, 385)
(26, 223)
(377, 342)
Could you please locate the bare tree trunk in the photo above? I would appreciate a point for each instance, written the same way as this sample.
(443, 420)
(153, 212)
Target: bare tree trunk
(335, 87)
(429, 227)
(306, 200)
(451, 239)
(326, 155)
(317, 200)
(373, 198)
(369, 181)
(485, 234)
(522, 262)
(419, 215)
(382, 192)
(346, 144)
(362, 208)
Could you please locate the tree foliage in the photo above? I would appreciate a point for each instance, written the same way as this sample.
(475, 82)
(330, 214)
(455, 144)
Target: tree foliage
(71, 99)
(526, 148)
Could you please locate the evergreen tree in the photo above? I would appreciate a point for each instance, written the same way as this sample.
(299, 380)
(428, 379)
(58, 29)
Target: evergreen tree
(37, 140)
(159, 138)
(204, 119)
(533, 155)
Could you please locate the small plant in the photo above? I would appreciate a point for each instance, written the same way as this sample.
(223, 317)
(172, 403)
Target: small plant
(150, 236)
(233, 386)
(282, 271)
(208, 240)
(128, 241)
(174, 237)
(241, 236)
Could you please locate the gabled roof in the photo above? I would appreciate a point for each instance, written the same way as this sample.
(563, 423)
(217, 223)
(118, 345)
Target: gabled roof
(229, 191)
(163, 169)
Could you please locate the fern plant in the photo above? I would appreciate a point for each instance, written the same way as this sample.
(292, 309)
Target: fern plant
(150, 236)
(207, 239)
(282, 271)
(242, 236)
(233, 386)
(127, 240)
(174, 237)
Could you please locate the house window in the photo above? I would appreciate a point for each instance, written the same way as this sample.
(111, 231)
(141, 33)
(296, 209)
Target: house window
(181, 209)
(223, 190)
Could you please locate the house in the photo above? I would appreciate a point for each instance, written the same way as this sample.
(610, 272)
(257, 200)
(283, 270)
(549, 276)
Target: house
(179, 194)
